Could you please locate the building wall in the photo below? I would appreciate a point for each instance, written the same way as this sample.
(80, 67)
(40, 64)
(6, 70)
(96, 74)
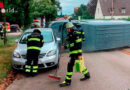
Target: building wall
(98, 13)
(115, 17)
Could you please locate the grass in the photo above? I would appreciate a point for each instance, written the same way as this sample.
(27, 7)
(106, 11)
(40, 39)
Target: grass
(127, 19)
(5, 56)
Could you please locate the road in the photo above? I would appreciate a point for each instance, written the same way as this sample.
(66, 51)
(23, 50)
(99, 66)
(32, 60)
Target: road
(110, 70)
(14, 34)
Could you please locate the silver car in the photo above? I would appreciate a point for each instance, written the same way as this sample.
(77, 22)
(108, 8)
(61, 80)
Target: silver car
(49, 54)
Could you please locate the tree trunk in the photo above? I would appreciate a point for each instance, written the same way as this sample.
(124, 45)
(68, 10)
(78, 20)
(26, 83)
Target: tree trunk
(26, 14)
(42, 21)
(47, 20)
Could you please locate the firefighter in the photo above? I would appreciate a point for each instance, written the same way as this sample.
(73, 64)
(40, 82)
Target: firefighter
(34, 44)
(75, 52)
(1, 31)
(79, 27)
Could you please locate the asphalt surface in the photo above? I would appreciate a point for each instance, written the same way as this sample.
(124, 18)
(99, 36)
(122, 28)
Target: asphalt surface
(14, 34)
(110, 70)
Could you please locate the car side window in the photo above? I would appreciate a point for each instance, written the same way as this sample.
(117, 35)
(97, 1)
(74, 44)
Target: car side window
(24, 38)
(54, 36)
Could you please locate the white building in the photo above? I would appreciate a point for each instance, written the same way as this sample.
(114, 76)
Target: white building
(121, 9)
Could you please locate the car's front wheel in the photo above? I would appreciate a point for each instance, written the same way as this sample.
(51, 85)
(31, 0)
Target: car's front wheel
(14, 70)
(57, 65)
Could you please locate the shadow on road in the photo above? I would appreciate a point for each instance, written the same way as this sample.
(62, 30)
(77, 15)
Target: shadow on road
(21, 74)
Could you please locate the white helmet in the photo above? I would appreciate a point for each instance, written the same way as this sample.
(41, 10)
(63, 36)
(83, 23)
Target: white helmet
(69, 25)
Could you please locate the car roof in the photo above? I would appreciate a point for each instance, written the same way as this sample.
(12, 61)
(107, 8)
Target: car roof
(66, 21)
(41, 29)
(13, 25)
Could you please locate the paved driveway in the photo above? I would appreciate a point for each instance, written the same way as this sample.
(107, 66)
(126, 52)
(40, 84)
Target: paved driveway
(14, 34)
(110, 70)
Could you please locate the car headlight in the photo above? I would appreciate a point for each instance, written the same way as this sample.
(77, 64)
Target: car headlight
(17, 55)
(51, 53)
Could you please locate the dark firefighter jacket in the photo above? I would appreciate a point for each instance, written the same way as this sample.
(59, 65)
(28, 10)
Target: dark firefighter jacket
(82, 32)
(1, 30)
(35, 42)
(75, 38)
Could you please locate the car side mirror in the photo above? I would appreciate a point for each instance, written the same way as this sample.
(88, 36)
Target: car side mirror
(58, 39)
(17, 40)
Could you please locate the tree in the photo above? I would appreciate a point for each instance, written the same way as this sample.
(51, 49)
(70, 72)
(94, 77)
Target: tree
(18, 11)
(25, 10)
(56, 3)
(83, 12)
(45, 8)
(26, 5)
(92, 7)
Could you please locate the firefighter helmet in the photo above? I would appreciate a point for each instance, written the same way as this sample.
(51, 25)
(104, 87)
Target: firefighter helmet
(37, 31)
(78, 23)
(69, 25)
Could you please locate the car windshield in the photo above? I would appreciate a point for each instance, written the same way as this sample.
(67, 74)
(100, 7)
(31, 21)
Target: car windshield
(47, 37)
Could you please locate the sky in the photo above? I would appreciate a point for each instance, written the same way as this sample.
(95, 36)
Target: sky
(68, 5)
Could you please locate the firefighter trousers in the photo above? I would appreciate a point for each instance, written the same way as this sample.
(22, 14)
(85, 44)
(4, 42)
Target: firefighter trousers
(32, 61)
(70, 69)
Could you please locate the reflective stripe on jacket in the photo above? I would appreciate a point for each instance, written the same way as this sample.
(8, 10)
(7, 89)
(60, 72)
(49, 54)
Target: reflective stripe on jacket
(74, 43)
(34, 42)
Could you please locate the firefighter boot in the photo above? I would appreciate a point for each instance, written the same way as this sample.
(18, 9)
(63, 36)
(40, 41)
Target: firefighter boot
(86, 76)
(64, 84)
(34, 70)
(67, 81)
(27, 70)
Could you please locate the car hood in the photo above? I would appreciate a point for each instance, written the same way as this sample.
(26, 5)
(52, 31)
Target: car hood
(22, 48)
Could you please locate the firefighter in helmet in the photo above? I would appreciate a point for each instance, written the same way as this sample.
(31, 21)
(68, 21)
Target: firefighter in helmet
(79, 27)
(1, 31)
(75, 52)
(34, 44)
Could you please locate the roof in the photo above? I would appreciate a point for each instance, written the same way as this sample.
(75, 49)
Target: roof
(106, 5)
(36, 20)
(64, 21)
(41, 29)
(76, 9)
(60, 18)
(107, 22)
(13, 25)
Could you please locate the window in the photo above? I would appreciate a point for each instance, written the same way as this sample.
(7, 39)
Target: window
(123, 10)
(47, 37)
